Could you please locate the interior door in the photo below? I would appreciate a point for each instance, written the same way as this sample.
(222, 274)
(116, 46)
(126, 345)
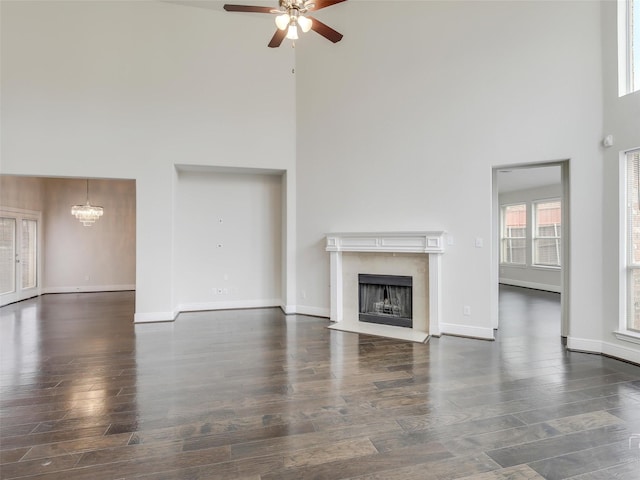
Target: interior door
(19, 258)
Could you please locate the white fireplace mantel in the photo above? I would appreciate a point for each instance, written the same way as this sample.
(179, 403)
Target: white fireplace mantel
(407, 242)
(430, 243)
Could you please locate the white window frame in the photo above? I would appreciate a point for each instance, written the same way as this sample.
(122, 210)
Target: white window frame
(623, 332)
(626, 48)
(534, 236)
(503, 209)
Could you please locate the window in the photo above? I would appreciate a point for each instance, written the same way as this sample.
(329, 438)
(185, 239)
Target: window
(633, 240)
(629, 46)
(514, 234)
(546, 239)
(531, 234)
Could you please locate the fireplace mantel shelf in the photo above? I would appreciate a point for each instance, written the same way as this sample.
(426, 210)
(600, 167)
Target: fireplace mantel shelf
(407, 242)
(430, 243)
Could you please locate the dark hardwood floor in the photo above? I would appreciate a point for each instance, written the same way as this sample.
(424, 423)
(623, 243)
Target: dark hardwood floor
(253, 394)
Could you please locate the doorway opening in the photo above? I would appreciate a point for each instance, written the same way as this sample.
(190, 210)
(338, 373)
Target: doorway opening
(44, 249)
(531, 229)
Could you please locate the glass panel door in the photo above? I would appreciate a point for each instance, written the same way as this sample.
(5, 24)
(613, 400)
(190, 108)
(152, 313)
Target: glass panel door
(18, 255)
(28, 258)
(7, 255)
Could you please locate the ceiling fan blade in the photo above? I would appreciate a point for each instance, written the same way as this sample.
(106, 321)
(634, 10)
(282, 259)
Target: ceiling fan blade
(246, 8)
(325, 30)
(277, 38)
(318, 4)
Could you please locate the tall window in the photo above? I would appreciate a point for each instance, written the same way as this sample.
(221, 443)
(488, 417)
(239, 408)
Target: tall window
(633, 240)
(514, 234)
(546, 238)
(629, 46)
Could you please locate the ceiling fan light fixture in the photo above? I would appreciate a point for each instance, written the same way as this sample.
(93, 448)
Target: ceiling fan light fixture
(305, 23)
(282, 21)
(292, 33)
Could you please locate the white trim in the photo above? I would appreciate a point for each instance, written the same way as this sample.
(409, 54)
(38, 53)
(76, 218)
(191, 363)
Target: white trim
(624, 267)
(20, 211)
(546, 268)
(288, 309)
(466, 331)
(625, 52)
(604, 348)
(534, 285)
(151, 317)
(584, 345)
(627, 336)
(312, 311)
(621, 352)
(229, 305)
(87, 289)
(19, 293)
(408, 242)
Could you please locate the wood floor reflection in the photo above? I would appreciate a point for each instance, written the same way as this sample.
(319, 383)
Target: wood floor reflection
(255, 394)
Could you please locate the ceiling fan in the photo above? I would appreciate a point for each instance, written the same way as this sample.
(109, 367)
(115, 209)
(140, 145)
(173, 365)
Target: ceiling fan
(293, 14)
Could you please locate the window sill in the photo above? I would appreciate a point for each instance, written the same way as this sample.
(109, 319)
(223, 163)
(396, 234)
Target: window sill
(627, 336)
(546, 267)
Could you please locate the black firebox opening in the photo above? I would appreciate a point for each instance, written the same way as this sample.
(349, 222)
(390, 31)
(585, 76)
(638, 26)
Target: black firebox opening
(386, 299)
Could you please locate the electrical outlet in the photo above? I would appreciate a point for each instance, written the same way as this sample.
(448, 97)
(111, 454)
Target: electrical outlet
(466, 311)
(219, 291)
(225, 291)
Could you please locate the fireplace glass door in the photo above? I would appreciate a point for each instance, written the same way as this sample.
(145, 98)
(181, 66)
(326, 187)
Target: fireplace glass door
(386, 299)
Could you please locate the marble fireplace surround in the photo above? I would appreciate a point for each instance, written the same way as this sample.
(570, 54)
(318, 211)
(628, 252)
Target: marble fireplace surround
(417, 254)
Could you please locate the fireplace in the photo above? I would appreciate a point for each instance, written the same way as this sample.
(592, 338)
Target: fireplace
(386, 299)
(413, 254)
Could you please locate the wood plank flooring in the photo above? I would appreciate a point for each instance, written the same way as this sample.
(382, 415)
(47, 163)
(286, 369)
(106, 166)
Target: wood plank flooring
(254, 394)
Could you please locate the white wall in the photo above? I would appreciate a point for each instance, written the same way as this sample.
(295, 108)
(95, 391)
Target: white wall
(622, 120)
(128, 90)
(228, 236)
(400, 124)
(528, 275)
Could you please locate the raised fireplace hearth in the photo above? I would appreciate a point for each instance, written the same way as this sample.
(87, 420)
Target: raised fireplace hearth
(405, 254)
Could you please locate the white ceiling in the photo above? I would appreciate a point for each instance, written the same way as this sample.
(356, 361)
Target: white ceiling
(522, 178)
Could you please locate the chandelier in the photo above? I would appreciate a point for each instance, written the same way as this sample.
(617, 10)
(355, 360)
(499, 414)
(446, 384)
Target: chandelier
(87, 213)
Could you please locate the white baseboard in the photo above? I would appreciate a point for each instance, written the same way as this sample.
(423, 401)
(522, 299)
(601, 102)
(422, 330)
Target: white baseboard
(584, 345)
(151, 317)
(629, 354)
(229, 305)
(288, 309)
(89, 289)
(466, 331)
(313, 311)
(536, 286)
